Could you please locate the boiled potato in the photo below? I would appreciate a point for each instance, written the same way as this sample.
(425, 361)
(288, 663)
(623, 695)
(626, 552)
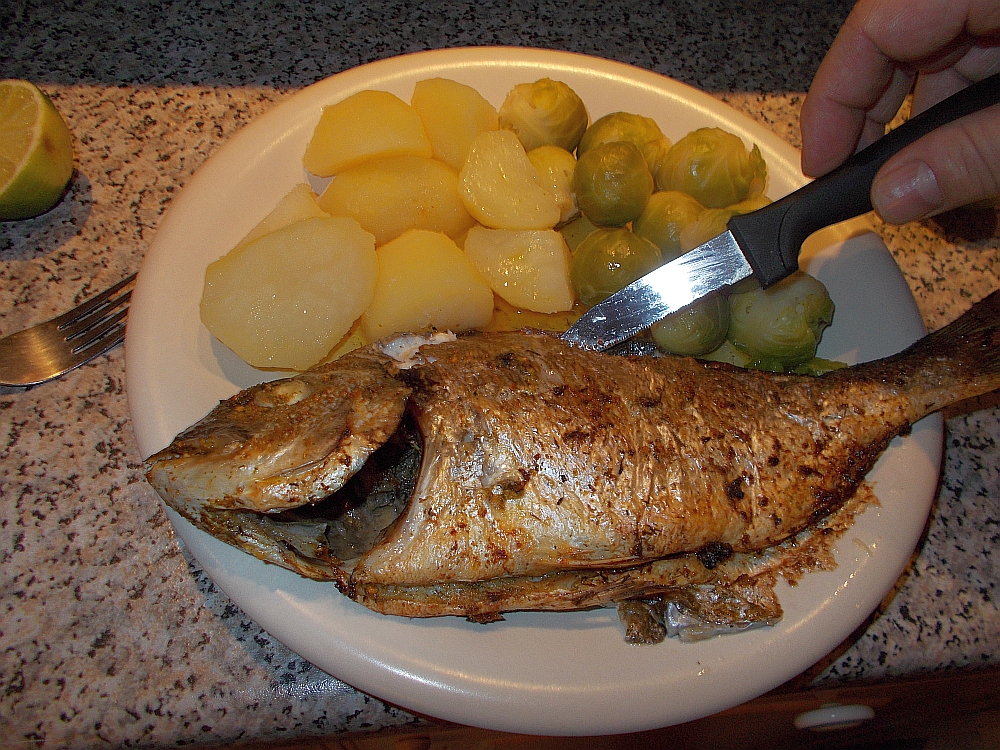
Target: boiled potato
(284, 300)
(298, 204)
(389, 196)
(426, 281)
(502, 189)
(528, 268)
(366, 125)
(453, 114)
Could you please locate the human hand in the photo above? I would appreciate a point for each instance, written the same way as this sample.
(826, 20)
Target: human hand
(870, 68)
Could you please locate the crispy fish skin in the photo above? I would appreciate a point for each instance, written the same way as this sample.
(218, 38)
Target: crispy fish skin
(556, 478)
(540, 457)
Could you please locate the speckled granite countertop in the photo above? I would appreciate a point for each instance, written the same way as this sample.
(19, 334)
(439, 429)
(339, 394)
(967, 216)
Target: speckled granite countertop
(109, 635)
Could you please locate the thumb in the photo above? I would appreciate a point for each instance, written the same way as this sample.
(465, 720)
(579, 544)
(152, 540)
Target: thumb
(955, 165)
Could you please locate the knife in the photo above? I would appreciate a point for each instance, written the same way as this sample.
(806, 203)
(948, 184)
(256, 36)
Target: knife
(765, 243)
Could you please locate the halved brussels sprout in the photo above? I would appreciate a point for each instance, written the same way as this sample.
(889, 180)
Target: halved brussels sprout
(640, 131)
(710, 223)
(555, 167)
(577, 231)
(612, 184)
(780, 327)
(544, 113)
(729, 354)
(713, 166)
(608, 260)
(696, 330)
(665, 215)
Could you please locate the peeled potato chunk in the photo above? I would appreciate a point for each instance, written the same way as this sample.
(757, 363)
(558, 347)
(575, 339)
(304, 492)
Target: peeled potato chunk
(528, 268)
(298, 204)
(501, 188)
(426, 281)
(453, 114)
(283, 301)
(389, 196)
(367, 125)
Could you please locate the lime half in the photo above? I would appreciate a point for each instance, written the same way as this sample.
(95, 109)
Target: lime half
(36, 152)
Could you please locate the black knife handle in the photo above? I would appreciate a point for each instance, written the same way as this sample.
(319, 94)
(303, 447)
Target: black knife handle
(772, 237)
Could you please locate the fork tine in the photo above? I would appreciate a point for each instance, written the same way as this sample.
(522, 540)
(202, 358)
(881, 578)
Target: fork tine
(99, 331)
(99, 300)
(111, 336)
(82, 325)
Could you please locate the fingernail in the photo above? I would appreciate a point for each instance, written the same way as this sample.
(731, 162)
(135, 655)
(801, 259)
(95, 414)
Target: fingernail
(906, 193)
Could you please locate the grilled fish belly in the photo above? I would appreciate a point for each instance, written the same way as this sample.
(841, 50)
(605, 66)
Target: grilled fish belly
(551, 477)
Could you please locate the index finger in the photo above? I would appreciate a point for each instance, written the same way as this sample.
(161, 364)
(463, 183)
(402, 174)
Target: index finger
(868, 71)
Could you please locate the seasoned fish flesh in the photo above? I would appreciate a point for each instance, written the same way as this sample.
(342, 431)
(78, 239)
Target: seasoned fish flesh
(511, 471)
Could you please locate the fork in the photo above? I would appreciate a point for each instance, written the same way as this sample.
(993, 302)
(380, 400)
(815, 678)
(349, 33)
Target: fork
(50, 349)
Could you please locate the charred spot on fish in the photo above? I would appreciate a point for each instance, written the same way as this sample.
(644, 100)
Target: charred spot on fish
(576, 436)
(511, 488)
(763, 502)
(649, 402)
(806, 471)
(776, 520)
(714, 553)
(734, 490)
(773, 460)
(515, 363)
(559, 390)
(826, 500)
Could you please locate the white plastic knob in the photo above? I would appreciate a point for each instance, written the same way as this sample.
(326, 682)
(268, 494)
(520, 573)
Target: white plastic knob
(834, 716)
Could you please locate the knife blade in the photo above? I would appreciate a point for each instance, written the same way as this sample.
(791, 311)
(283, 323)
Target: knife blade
(766, 242)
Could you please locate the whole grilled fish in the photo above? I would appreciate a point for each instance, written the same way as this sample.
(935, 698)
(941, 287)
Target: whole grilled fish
(511, 471)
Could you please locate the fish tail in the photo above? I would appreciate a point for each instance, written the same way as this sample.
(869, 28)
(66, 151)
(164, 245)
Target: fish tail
(954, 363)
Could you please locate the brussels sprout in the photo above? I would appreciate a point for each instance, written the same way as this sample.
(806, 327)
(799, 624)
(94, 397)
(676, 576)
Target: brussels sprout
(665, 215)
(780, 327)
(612, 184)
(710, 223)
(696, 330)
(555, 167)
(640, 131)
(608, 260)
(544, 113)
(714, 167)
(577, 231)
(729, 354)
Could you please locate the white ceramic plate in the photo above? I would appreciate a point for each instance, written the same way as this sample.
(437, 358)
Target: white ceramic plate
(541, 673)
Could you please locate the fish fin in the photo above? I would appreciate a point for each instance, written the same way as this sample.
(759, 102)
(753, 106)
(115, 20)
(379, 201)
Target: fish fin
(957, 362)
